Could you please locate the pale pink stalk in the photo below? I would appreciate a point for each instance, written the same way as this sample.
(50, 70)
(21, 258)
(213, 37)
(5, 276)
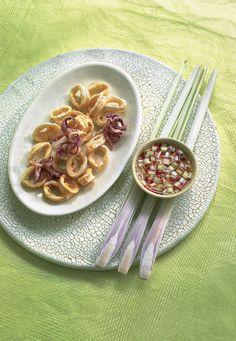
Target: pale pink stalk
(153, 239)
(133, 241)
(119, 228)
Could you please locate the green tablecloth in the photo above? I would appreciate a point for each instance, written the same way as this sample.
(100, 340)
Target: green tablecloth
(191, 293)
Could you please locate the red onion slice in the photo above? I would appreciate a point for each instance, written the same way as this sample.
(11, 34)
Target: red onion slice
(114, 129)
(44, 168)
(69, 143)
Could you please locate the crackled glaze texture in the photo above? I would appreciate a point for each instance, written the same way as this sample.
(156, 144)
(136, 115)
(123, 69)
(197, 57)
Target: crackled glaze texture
(74, 240)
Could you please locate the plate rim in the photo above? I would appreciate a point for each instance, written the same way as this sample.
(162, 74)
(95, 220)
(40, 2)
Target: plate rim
(127, 155)
(50, 258)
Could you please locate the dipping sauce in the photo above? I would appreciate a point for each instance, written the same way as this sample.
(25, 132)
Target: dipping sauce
(163, 169)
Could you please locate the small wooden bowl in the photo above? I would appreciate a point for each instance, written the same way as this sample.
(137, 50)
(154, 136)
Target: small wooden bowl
(174, 143)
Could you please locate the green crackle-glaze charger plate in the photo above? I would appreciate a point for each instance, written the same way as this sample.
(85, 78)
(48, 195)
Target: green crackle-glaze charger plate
(74, 240)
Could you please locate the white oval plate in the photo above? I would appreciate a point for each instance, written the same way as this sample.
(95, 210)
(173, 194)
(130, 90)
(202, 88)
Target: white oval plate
(54, 96)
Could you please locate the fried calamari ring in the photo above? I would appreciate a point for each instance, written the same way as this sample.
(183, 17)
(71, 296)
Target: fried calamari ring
(100, 152)
(115, 104)
(95, 142)
(76, 165)
(92, 104)
(89, 131)
(104, 105)
(46, 132)
(86, 178)
(98, 88)
(100, 119)
(27, 179)
(97, 110)
(58, 115)
(96, 105)
(69, 185)
(79, 97)
(85, 125)
(82, 124)
(74, 113)
(59, 163)
(40, 151)
(54, 191)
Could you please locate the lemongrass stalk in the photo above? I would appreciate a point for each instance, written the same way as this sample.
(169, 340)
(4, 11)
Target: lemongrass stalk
(120, 226)
(181, 126)
(154, 237)
(152, 242)
(131, 245)
(180, 103)
(190, 99)
(134, 238)
(168, 100)
(188, 105)
(202, 109)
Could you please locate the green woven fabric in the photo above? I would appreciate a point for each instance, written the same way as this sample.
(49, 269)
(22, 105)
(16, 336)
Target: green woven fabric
(191, 294)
